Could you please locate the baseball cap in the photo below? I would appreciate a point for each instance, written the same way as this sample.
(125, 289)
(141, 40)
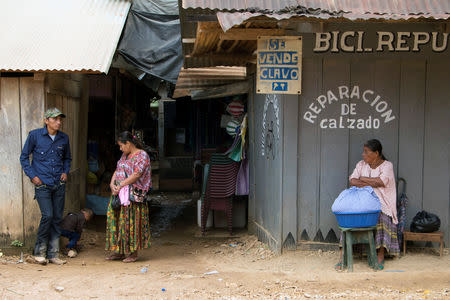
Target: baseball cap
(53, 113)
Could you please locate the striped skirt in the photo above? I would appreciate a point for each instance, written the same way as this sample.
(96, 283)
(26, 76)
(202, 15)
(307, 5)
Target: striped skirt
(128, 228)
(385, 236)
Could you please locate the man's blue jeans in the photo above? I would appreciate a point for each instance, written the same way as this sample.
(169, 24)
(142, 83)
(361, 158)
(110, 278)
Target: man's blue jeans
(73, 237)
(51, 203)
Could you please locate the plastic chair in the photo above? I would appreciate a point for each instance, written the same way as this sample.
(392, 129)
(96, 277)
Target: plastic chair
(220, 189)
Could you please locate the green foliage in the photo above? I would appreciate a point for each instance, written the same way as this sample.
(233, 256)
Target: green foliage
(17, 243)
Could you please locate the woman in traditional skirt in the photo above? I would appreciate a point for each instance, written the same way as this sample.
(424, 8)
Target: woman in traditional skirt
(375, 171)
(128, 227)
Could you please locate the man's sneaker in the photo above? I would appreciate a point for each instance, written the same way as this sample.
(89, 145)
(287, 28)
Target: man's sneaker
(57, 261)
(40, 260)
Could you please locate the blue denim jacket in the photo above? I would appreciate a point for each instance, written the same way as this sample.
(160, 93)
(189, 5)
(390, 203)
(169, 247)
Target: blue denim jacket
(50, 158)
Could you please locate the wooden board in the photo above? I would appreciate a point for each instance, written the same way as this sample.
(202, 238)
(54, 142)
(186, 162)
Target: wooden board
(32, 117)
(362, 76)
(54, 100)
(424, 237)
(411, 132)
(11, 205)
(387, 83)
(268, 168)
(334, 145)
(249, 33)
(309, 146)
(436, 153)
(83, 137)
(290, 163)
(252, 152)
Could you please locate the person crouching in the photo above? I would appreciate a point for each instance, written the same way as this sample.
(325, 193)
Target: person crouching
(72, 227)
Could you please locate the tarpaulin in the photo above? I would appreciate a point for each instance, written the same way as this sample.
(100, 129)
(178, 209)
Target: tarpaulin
(151, 39)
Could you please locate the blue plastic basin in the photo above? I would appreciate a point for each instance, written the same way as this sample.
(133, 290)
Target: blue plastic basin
(352, 220)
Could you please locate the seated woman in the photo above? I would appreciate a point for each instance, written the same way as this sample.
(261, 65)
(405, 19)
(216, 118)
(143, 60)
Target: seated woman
(375, 171)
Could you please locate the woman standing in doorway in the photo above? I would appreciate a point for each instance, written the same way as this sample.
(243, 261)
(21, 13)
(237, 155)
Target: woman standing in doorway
(128, 227)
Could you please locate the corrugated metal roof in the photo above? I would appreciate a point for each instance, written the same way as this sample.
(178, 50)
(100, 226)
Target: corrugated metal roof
(55, 35)
(356, 9)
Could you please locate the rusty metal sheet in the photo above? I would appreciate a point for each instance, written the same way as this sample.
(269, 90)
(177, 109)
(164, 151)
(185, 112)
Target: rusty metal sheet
(363, 9)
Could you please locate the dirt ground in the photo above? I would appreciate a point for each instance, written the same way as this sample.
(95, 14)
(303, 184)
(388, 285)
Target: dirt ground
(178, 263)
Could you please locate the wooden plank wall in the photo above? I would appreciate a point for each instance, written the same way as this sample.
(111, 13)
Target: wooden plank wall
(22, 104)
(416, 141)
(11, 205)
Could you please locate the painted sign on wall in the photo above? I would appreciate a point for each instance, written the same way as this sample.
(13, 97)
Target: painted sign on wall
(279, 65)
(348, 113)
(270, 127)
(354, 41)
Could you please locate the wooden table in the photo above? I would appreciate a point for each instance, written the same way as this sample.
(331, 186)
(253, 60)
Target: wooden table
(424, 237)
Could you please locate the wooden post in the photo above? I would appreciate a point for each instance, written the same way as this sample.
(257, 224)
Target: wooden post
(349, 243)
(404, 245)
(83, 137)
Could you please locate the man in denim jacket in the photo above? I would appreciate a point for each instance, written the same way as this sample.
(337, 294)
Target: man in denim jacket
(48, 171)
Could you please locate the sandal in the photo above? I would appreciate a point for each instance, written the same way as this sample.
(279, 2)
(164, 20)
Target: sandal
(379, 266)
(130, 259)
(339, 266)
(115, 257)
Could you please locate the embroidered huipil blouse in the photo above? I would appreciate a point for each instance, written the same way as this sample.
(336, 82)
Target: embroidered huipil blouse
(386, 194)
(139, 163)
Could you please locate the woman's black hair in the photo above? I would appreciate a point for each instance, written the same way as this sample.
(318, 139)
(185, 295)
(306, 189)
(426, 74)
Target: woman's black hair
(375, 145)
(126, 136)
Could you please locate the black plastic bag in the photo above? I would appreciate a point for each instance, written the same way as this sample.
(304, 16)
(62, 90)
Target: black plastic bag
(425, 222)
(115, 202)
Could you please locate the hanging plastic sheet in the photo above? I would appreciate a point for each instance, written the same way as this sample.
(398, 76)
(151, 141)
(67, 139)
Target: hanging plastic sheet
(151, 39)
(242, 182)
(235, 151)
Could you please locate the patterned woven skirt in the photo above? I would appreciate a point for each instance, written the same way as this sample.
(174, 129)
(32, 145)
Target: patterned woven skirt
(386, 235)
(128, 228)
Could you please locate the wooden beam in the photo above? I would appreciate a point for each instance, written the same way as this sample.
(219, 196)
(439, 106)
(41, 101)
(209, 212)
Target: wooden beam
(237, 88)
(219, 46)
(235, 43)
(222, 58)
(39, 76)
(188, 40)
(199, 18)
(249, 34)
